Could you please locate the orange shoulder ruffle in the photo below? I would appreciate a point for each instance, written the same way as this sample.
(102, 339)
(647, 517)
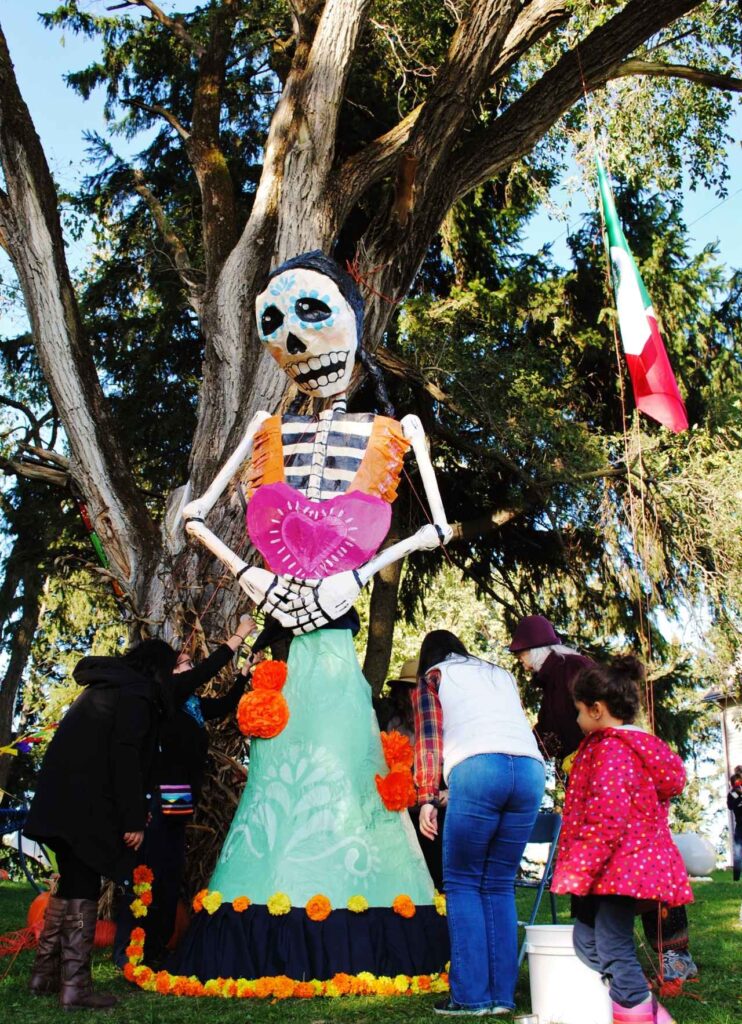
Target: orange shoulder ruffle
(381, 467)
(266, 464)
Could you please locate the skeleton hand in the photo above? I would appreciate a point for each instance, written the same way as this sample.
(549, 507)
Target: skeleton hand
(304, 605)
(429, 537)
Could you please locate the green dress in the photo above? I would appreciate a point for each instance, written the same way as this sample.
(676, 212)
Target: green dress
(310, 820)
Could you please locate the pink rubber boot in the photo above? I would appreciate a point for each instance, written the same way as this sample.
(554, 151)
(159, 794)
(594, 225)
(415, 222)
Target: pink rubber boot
(650, 1012)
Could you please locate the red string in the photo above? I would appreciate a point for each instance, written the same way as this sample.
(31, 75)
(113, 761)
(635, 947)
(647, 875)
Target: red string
(354, 269)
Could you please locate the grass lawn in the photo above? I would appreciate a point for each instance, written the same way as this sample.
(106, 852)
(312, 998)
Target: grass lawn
(715, 929)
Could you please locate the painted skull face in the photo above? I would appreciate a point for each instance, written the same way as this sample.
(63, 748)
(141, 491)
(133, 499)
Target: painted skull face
(310, 330)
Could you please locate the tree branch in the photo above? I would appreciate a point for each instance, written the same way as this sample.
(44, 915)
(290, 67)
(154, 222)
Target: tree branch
(34, 471)
(35, 240)
(175, 25)
(589, 65)
(159, 111)
(174, 245)
(656, 70)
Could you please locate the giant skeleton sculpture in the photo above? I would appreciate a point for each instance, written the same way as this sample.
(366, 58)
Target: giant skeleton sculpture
(310, 821)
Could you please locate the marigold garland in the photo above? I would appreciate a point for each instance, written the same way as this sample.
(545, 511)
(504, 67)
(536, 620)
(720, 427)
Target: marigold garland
(318, 908)
(278, 904)
(262, 713)
(398, 752)
(269, 675)
(280, 987)
(404, 906)
(212, 901)
(439, 902)
(397, 790)
(142, 877)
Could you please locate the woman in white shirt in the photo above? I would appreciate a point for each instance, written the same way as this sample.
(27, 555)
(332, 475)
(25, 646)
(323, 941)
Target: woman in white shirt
(470, 728)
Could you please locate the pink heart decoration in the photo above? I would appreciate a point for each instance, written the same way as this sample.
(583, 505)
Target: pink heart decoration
(315, 539)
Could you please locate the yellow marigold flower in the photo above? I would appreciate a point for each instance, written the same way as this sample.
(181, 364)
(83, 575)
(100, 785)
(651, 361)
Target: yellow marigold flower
(142, 887)
(278, 904)
(401, 983)
(439, 902)
(403, 906)
(211, 902)
(245, 988)
(437, 984)
(138, 909)
(240, 904)
(358, 904)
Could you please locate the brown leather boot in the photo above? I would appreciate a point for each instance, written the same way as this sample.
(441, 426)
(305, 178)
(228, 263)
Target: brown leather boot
(45, 974)
(78, 934)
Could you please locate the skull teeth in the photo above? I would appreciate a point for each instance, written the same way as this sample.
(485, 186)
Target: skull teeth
(318, 371)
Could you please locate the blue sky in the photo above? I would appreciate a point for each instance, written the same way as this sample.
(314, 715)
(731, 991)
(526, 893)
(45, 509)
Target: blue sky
(41, 58)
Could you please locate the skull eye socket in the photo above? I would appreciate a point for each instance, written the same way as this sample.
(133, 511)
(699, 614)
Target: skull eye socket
(271, 320)
(312, 311)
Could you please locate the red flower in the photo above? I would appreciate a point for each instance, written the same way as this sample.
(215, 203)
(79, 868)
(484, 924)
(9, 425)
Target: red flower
(262, 713)
(397, 790)
(398, 752)
(143, 874)
(269, 675)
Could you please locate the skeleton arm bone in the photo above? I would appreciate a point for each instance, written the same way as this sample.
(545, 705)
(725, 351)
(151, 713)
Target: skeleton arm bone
(253, 580)
(427, 537)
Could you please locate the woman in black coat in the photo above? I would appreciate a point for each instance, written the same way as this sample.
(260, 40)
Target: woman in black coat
(176, 786)
(90, 805)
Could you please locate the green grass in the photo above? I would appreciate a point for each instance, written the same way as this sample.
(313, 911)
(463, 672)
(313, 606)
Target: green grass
(715, 942)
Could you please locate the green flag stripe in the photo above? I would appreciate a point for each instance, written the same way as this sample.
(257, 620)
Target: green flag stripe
(616, 236)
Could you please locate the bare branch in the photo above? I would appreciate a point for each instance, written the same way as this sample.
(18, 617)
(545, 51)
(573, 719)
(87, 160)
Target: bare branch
(378, 158)
(22, 407)
(656, 70)
(470, 529)
(589, 65)
(48, 456)
(160, 111)
(33, 471)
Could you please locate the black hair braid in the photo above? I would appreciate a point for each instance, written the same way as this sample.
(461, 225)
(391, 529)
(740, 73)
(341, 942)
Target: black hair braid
(375, 372)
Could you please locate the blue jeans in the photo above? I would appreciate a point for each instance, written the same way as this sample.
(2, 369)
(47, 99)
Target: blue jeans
(493, 800)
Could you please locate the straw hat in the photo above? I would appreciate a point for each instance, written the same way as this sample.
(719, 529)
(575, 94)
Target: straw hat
(408, 673)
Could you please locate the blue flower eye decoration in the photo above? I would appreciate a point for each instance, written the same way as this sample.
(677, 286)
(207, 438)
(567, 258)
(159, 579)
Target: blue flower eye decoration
(271, 318)
(281, 284)
(312, 310)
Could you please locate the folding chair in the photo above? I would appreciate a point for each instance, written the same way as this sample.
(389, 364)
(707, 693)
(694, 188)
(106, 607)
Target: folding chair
(546, 829)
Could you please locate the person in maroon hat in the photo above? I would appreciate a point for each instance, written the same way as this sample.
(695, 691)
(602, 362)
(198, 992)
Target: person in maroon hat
(539, 649)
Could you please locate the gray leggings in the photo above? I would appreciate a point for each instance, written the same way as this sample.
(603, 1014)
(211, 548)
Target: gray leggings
(604, 940)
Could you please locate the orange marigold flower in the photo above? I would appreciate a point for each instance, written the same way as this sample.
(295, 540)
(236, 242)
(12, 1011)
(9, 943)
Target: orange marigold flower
(137, 935)
(263, 987)
(146, 899)
(129, 972)
(397, 790)
(269, 675)
(423, 982)
(240, 904)
(342, 983)
(318, 908)
(143, 874)
(303, 990)
(398, 752)
(134, 952)
(262, 713)
(283, 987)
(143, 975)
(198, 899)
(162, 982)
(179, 986)
(194, 987)
(403, 906)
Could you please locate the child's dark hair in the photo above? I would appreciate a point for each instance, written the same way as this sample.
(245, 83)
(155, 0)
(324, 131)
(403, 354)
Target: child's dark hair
(616, 684)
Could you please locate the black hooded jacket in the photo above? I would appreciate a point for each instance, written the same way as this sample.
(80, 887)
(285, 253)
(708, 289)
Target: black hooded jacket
(94, 776)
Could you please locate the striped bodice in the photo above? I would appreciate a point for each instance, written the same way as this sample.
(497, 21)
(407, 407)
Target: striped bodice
(331, 454)
(321, 457)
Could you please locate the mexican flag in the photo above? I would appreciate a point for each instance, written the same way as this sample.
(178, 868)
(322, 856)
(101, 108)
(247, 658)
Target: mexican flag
(655, 390)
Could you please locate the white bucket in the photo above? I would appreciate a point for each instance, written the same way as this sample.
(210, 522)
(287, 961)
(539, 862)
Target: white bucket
(563, 989)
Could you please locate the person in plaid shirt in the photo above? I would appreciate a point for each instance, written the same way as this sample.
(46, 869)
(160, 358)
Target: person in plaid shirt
(470, 728)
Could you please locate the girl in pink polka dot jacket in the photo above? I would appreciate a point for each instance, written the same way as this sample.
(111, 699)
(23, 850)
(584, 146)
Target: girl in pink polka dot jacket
(615, 846)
